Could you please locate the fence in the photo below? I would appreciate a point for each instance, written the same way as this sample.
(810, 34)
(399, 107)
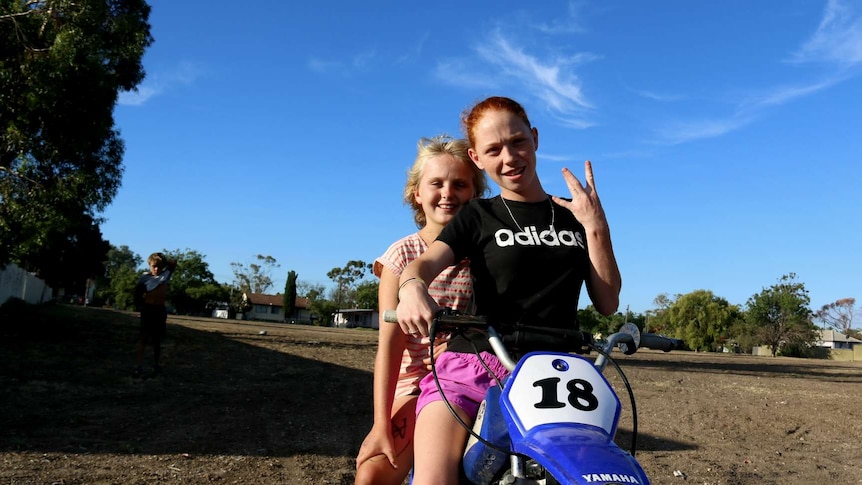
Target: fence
(17, 283)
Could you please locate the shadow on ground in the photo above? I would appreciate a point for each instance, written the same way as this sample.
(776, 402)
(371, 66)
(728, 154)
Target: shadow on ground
(65, 386)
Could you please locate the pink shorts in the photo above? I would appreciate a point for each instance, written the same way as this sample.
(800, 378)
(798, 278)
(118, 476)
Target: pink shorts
(463, 379)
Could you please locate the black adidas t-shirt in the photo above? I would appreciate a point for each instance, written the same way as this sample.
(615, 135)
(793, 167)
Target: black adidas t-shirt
(532, 275)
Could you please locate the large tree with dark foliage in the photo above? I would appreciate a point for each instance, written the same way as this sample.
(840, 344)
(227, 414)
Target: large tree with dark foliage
(116, 286)
(193, 289)
(62, 65)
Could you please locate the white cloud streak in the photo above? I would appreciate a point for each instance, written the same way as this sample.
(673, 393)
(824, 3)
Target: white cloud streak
(139, 96)
(551, 80)
(570, 24)
(682, 132)
(185, 74)
(838, 38)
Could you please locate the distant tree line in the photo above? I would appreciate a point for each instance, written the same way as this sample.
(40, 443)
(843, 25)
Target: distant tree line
(194, 290)
(778, 317)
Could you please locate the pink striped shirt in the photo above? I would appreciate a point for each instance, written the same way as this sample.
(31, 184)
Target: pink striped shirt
(452, 288)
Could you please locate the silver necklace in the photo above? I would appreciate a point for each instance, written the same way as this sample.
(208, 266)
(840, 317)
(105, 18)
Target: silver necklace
(553, 215)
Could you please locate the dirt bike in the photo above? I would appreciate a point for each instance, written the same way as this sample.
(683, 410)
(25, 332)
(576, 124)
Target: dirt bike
(554, 418)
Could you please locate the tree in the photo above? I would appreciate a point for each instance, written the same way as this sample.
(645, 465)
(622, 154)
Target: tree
(346, 279)
(365, 295)
(290, 295)
(658, 319)
(254, 278)
(590, 320)
(67, 260)
(321, 309)
(779, 315)
(838, 315)
(116, 286)
(702, 319)
(193, 289)
(62, 64)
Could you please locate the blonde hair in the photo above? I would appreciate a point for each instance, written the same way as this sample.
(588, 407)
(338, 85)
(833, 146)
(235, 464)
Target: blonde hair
(428, 148)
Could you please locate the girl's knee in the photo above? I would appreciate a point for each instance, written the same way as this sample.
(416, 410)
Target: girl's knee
(378, 471)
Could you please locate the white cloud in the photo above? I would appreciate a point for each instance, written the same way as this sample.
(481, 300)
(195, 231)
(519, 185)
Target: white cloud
(785, 94)
(550, 80)
(682, 132)
(137, 97)
(184, 74)
(664, 98)
(747, 110)
(838, 38)
(569, 24)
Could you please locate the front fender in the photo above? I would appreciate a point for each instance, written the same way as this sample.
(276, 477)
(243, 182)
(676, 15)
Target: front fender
(580, 454)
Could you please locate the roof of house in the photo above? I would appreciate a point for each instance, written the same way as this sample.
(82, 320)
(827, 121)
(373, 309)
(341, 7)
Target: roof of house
(274, 300)
(833, 336)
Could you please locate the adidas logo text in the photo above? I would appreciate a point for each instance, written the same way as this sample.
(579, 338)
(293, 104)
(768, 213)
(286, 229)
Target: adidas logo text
(530, 236)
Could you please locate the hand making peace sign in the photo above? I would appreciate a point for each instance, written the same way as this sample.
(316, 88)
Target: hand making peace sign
(585, 204)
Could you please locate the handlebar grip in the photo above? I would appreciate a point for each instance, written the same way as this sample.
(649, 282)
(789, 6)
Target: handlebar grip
(390, 316)
(660, 342)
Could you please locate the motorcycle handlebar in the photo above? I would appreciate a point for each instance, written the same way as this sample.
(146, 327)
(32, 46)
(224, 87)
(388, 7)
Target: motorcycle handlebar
(660, 342)
(525, 338)
(518, 337)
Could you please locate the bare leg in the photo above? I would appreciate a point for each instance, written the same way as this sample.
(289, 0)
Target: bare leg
(378, 470)
(439, 444)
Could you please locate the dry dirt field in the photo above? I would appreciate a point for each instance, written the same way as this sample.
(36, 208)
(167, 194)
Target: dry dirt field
(292, 406)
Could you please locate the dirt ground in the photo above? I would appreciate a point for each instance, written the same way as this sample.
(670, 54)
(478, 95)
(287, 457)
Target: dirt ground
(292, 405)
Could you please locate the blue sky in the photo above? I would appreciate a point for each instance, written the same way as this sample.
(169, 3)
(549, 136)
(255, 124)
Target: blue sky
(724, 136)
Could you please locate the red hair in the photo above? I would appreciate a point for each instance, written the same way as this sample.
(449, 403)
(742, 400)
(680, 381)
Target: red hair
(470, 118)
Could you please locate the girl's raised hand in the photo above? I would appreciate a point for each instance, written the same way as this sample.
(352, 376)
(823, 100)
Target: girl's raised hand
(585, 204)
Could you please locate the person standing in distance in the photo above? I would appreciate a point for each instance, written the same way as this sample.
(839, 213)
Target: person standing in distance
(151, 293)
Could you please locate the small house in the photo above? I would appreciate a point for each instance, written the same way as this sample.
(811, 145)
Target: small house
(836, 340)
(356, 318)
(270, 308)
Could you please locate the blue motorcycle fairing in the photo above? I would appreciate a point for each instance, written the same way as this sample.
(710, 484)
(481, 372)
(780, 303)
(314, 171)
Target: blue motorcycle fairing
(482, 463)
(579, 454)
